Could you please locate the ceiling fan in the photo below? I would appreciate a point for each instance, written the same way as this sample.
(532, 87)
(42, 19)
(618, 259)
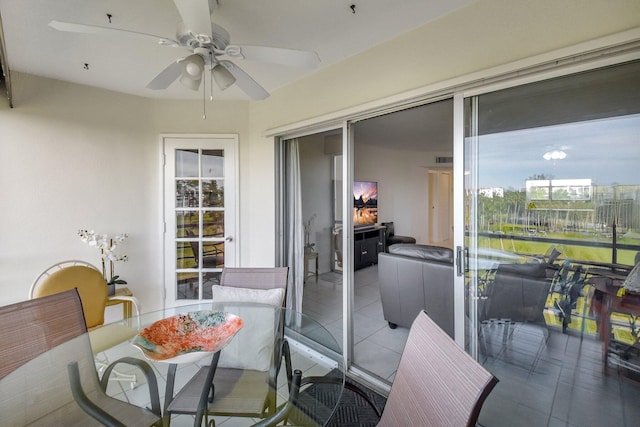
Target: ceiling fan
(210, 49)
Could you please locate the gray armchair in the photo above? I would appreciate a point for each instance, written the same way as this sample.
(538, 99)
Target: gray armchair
(414, 278)
(391, 237)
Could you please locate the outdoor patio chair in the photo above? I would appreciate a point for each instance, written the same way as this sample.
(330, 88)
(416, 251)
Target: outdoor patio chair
(212, 256)
(437, 382)
(237, 384)
(47, 370)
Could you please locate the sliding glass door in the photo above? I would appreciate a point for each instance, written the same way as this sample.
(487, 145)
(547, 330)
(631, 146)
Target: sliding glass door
(551, 211)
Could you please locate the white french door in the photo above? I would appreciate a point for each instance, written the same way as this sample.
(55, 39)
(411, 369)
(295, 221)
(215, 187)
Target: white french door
(200, 213)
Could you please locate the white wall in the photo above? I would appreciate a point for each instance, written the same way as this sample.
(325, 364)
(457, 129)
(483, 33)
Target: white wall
(403, 190)
(76, 157)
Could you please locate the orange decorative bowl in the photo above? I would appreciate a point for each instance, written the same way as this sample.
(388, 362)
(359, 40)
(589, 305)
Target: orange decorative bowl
(185, 338)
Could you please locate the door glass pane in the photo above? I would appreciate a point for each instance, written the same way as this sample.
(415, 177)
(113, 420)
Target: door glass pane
(213, 193)
(187, 193)
(553, 221)
(187, 223)
(310, 167)
(186, 257)
(212, 254)
(188, 285)
(186, 163)
(212, 163)
(213, 225)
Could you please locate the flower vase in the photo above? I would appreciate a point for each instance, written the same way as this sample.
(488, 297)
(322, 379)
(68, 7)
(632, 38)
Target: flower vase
(111, 289)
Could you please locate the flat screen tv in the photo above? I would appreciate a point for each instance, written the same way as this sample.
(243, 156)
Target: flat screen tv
(365, 203)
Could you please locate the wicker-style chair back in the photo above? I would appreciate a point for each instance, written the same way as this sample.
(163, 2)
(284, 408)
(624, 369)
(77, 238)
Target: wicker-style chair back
(47, 372)
(255, 278)
(437, 384)
(32, 327)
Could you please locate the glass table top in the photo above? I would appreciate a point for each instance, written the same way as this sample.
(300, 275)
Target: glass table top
(314, 351)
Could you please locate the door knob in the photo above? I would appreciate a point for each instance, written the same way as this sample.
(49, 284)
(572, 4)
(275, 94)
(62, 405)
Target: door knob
(228, 238)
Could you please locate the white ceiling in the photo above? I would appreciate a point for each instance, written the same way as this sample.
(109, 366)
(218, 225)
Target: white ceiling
(328, 27)
(425, 128)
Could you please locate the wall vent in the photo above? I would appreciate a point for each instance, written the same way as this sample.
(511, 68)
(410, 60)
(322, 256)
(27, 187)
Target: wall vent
(443, 160)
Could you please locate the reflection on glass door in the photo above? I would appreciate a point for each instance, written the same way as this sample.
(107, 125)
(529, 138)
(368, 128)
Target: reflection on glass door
(552, 217)
(200, 215)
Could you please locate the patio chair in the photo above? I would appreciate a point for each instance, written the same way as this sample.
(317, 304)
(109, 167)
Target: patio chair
(58, 276)
(92, 288)
(437, 382)
(212, 256)
(518, 293)
(47, 370)
(238, 383)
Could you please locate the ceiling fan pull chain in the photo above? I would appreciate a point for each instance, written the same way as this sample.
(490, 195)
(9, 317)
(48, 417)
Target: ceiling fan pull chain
(211, 81)
(204, 99)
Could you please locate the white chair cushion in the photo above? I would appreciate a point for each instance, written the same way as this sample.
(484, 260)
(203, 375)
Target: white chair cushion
(273, 297)
(259, 328)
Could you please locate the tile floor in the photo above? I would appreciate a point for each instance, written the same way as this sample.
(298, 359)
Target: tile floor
(558, 381)
(377, 347)
(554, 381)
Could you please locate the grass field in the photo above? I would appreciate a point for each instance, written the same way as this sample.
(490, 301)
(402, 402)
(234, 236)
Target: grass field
(569, 251)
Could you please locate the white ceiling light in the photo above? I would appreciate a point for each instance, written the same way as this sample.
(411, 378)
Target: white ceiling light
(192, 68)
(222, 76)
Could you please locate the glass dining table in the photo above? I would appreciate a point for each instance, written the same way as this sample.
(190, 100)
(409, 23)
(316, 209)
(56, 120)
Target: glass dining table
(313, 350)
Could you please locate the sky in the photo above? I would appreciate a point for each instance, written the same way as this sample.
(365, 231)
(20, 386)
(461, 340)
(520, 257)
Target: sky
(607, 151)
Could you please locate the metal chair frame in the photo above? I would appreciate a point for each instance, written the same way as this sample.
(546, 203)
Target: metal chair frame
(41, 337)
(204, 382)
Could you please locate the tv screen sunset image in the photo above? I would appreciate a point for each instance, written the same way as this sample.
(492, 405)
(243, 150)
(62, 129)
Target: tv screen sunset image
(365, 203)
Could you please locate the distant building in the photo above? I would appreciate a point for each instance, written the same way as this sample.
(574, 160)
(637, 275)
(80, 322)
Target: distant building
(491, 192)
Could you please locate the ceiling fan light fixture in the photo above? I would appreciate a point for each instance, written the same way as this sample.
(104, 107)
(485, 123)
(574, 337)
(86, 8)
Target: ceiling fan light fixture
(222, 76)
(192, 69)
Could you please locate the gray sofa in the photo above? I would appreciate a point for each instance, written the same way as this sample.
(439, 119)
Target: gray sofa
(416, 277)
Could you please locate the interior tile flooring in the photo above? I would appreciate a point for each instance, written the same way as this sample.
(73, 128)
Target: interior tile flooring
(546, 378)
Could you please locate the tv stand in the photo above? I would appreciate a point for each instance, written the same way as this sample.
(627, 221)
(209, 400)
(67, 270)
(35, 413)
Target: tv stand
(368, 243)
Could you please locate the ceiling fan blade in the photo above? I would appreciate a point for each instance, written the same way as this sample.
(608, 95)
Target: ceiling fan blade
(245, 82)
(276, 55)
(94, 29)
(196, 15)
(166, 76)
